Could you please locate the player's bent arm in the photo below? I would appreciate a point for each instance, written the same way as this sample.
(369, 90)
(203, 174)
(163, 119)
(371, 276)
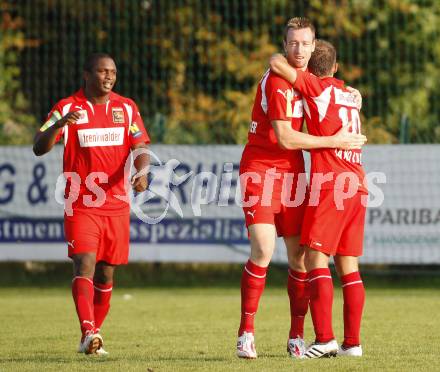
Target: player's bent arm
(142, 164)
(290, 139)
(45, 140)
(278, 64)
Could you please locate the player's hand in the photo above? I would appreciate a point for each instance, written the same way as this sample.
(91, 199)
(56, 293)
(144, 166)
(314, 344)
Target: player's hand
(348, 141)
(69, 118)
(139, 182)
(275, 61)
(357, 97)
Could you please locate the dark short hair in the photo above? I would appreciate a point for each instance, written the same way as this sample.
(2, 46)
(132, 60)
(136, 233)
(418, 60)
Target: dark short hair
(323, 59)
(92, 59)
(297, 23)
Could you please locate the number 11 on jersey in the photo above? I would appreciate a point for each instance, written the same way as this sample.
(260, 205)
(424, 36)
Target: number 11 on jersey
(355, 119)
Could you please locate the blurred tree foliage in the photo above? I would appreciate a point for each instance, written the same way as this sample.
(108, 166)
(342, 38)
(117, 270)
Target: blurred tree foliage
(16, 124)
(193, 65)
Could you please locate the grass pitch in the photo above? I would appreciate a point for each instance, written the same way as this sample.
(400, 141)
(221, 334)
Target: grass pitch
(195, 330)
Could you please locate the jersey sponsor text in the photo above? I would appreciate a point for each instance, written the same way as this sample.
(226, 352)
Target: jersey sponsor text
(101, 137)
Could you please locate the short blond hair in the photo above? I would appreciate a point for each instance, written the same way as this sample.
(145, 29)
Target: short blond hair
(297, 23)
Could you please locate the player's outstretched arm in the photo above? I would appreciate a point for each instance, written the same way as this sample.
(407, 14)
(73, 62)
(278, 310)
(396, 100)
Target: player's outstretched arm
(139, 180)
(278, 64)
(45, 139)
(290, 139)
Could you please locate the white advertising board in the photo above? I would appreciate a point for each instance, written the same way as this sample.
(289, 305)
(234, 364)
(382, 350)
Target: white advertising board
(193, 213)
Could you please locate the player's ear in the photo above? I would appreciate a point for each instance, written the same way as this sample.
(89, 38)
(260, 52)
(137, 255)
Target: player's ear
(285, 46)
(335, 68)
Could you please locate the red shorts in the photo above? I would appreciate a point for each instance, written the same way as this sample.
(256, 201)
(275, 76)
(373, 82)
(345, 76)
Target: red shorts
(107, 236)
(272, 207)
(332, 231)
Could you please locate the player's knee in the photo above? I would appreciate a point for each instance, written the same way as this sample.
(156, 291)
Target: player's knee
(296, 256)
(295, 253)
(308, 263)
(346, 265)
(84, 265)
(104, 274)
(297, 264)
(314, 259)
(260, 256)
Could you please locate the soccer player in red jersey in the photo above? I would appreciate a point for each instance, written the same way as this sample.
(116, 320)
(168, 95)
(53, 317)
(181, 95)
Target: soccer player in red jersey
(334, 219)
(270, 159)
(99, 128)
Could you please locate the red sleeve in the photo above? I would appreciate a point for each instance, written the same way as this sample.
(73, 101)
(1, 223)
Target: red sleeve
(138, 133)
(308, 84)
(54, 115)
(280, 98)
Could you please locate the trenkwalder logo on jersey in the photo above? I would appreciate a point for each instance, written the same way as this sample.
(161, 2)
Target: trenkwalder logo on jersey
(96, 137)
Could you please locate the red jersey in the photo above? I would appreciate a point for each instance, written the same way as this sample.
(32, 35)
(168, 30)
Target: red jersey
(99, 142)
(328, 106)
(275, 100)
